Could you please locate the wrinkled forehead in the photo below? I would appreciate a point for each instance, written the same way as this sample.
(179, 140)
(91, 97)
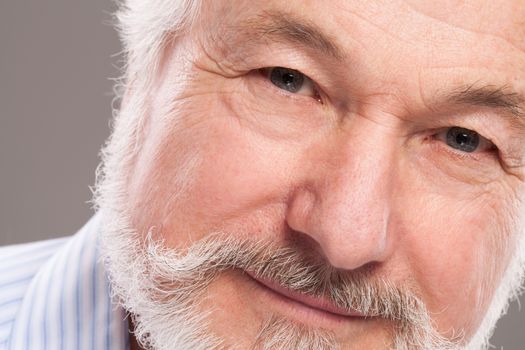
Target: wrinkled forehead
(504, 19)
(413, 45)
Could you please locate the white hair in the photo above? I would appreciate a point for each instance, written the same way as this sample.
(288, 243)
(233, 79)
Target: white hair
(145, 29)
(509, 289)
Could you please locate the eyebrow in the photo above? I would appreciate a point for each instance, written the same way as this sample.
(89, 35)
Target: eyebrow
(492, 97)
(285, 27)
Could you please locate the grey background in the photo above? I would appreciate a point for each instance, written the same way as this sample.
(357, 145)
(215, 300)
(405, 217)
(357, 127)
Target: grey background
(56, 58)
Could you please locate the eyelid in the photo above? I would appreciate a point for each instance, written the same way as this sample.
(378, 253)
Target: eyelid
(486, 147)
(309, 84)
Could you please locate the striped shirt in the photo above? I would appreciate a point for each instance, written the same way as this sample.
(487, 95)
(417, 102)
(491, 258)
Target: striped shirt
(55, 294)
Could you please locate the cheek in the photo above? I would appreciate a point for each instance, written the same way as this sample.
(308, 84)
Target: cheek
(194, 179)
(456, 251)
(237, 174)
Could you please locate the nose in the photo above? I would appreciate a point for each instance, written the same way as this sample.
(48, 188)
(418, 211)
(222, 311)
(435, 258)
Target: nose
(345, 205)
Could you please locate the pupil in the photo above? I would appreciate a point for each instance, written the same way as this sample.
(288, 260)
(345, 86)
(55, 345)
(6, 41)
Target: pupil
(288, 78)
(462, 139)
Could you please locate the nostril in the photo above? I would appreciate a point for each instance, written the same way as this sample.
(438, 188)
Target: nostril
(305, 243)
(308, 247)
(370, 268)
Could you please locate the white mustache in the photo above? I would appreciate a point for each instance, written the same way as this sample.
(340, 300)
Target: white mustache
(288, 267)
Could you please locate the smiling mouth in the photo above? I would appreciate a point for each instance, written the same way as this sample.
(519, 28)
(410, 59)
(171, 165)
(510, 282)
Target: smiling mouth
(320, 305)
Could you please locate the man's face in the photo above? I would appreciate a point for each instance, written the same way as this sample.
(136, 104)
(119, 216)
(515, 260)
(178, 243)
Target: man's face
(382, 138)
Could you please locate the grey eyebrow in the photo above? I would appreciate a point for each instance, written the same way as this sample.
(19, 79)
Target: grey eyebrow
(286, 27)
(491, 96)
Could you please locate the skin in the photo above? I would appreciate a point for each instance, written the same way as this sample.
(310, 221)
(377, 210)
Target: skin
(364, 177)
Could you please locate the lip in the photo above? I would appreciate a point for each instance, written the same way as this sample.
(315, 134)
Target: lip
(319, 304)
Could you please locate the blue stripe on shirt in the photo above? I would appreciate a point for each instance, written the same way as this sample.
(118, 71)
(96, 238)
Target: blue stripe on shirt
(56, 294)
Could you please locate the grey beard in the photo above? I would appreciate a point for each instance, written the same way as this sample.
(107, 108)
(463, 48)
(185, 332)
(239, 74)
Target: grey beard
(161, 288)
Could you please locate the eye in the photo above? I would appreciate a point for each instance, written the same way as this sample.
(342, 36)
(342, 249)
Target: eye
(291, 80)
(465, 140)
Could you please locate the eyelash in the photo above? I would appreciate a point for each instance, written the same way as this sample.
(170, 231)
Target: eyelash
(440, 146)
(317, 96)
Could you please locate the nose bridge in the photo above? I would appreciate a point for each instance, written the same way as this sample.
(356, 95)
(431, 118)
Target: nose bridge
(351, 211)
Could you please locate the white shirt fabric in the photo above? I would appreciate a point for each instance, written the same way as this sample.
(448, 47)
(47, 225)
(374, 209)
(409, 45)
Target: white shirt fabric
(55, 295)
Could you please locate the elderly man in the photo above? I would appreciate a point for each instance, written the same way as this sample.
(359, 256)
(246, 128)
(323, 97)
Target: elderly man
(295, 175)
